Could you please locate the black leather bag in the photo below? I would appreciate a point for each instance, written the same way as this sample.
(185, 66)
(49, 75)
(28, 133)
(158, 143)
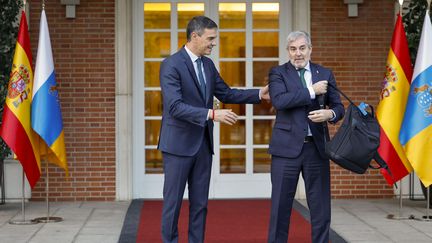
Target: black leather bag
(355, 144)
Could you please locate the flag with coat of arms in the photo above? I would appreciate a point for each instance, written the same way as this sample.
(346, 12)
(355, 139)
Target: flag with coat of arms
(46, 116)
(394, 95)
(16, 128)
(416, 131)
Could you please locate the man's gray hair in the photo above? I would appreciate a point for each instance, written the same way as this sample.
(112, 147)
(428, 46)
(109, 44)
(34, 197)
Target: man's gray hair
(293, 36)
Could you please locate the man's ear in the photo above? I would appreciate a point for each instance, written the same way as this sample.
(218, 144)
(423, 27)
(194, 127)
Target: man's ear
(194, 35)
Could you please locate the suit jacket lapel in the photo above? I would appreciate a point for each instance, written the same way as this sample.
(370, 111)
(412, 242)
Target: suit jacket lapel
(192, 72)
(293, 75)
(315, 73)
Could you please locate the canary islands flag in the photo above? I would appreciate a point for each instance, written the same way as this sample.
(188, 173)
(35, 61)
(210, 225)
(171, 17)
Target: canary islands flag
(394, 95)
(46, 113)
(416, 131)
(16, 128)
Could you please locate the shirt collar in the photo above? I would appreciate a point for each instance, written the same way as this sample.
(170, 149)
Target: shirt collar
(192, 56)
(307, 67)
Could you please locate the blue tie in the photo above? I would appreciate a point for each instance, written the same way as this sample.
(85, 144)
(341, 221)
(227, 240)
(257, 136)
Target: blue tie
(201, 77)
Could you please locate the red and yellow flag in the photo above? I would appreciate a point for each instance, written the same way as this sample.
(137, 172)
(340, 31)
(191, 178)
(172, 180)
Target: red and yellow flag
(390, 110)
(16, 128)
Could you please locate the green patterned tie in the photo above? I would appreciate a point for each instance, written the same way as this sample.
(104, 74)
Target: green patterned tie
(302, 78)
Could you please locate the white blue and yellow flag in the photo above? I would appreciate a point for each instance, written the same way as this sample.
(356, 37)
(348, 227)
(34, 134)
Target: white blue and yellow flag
(46, 117)
(416, 131)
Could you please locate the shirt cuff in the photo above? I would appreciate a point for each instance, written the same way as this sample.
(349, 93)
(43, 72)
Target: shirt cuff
(334, 115)
(312, 93)
(208, 114)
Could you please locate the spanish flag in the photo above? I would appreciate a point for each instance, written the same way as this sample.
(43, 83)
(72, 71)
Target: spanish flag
(46, 113)
(16, 128)
(416, 131)
(390, 110)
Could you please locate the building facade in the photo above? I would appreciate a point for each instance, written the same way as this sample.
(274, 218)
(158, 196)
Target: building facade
(107, 62)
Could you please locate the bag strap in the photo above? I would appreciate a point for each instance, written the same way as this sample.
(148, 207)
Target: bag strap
(382, 164)
(349, 100)
(325, 127)
(342, 93)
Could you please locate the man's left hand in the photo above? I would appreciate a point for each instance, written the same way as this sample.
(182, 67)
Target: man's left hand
(264, 93)
(320, 115)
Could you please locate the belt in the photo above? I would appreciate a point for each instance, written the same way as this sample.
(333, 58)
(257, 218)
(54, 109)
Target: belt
(308, 139)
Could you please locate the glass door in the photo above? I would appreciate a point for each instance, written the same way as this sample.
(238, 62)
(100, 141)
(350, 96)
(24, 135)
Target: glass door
(248, 46)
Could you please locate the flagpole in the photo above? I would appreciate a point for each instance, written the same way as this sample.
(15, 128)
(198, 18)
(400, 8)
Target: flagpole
(23, 221)
(399, 216)
(428, 198)
(400, 7)
(2, 184)
(43, 70)
(398, 41)
(424, 38)
(48, 219)
(427, 217)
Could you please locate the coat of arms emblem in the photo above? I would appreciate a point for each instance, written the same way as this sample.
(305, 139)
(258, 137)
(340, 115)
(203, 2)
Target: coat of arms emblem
(18, 85)
(424, 98)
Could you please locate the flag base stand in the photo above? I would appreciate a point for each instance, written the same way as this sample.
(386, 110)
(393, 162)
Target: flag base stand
(23, 221)
(48, 219)
(427, 217)
(399, 216)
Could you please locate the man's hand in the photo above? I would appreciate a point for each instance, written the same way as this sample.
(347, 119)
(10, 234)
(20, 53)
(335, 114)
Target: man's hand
(320, 87)
(264, 93)
(320, 115)
(225, 115)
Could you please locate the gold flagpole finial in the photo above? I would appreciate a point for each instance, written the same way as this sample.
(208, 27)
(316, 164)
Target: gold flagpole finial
(400, 7)
(43, 4)
(24, 2)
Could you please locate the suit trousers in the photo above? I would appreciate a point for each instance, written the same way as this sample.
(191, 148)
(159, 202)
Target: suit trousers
(284, 177)
(195, 171)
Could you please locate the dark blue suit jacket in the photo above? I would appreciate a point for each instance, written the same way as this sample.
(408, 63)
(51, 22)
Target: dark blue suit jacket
(293, 104)
(184, 118)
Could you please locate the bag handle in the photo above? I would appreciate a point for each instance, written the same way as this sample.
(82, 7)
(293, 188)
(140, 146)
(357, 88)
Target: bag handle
(342, 93)
(349, 100)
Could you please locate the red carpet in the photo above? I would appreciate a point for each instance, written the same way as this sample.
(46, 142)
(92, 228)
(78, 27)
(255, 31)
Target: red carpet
(227, 221)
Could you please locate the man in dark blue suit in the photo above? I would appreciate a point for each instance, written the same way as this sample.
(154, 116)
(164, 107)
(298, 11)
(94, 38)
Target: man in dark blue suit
(189, 80)
(297, 145)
